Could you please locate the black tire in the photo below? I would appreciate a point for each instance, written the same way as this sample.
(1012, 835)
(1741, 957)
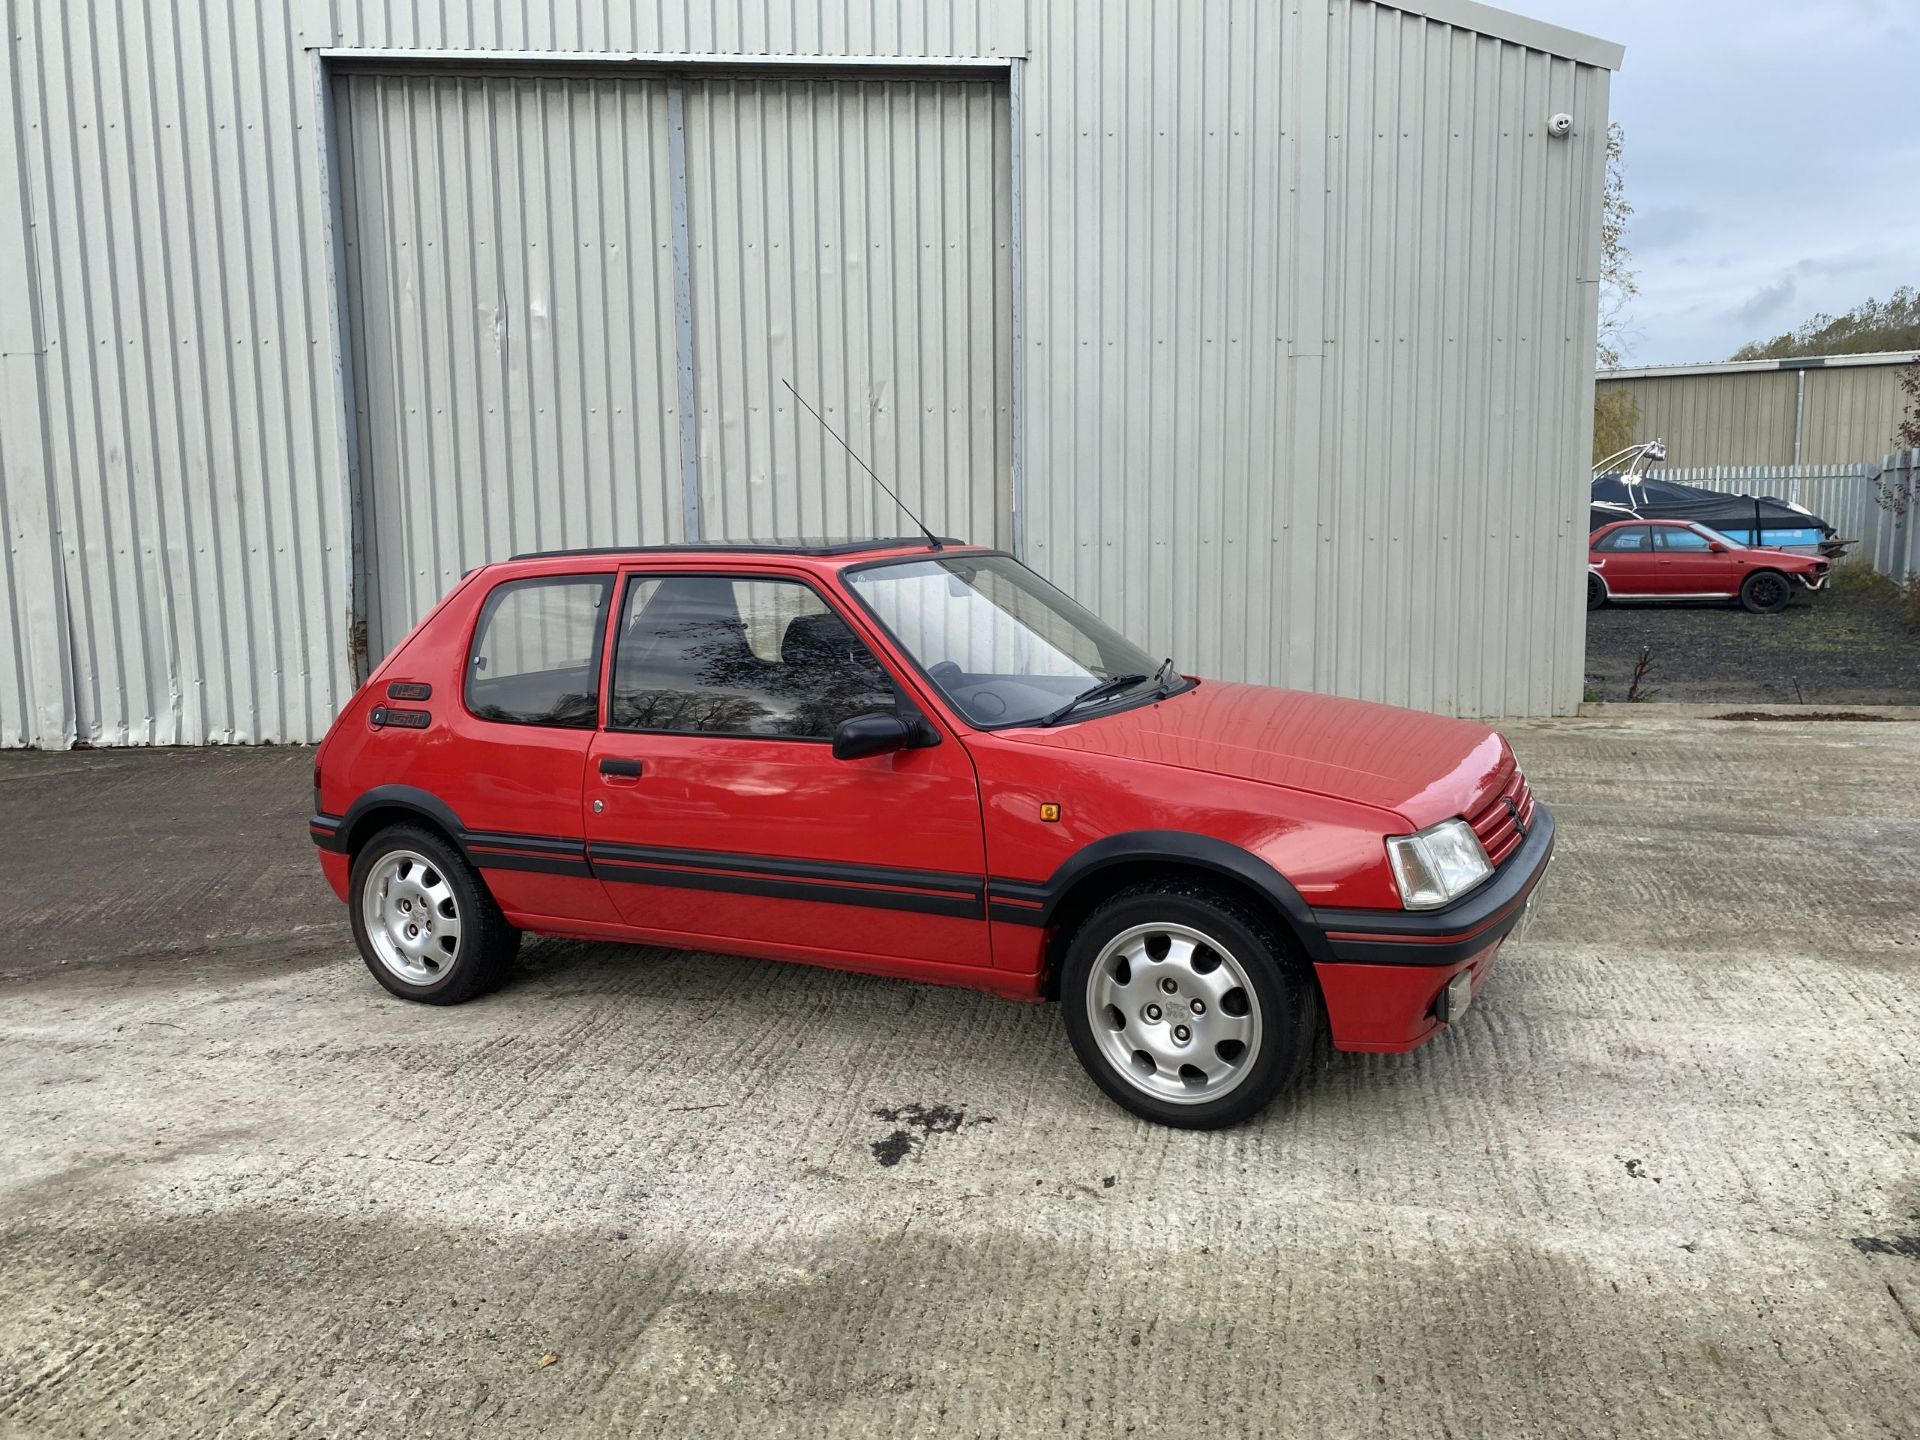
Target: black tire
(1766, 591)
(486, 943)
(1596, 591)
(1283, 988)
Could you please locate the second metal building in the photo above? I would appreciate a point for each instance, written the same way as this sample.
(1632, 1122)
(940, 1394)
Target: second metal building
(1264, 329)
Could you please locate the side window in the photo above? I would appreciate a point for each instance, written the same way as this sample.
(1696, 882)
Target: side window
(1674, 537)
(727, 656)
(1633, 539)
(536, 652)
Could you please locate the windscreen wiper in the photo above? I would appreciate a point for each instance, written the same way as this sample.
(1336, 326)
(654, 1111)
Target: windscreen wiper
(1111, 686)
(1164, 676)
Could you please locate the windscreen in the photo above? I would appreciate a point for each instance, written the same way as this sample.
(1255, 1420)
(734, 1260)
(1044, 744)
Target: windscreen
(1003, 646)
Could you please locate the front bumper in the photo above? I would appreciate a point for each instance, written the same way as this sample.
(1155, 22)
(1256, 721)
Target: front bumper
(1384, 970)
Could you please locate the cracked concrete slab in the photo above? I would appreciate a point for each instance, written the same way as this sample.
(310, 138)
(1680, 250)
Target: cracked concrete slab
(1665, 1178)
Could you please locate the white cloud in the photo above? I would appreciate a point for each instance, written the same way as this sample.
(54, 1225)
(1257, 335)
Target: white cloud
(1767, 160)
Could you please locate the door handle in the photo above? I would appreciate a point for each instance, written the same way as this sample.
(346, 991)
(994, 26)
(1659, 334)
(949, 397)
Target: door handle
(613, 769)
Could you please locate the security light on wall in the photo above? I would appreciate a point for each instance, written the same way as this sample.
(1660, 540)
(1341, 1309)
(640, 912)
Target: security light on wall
(1560, 126)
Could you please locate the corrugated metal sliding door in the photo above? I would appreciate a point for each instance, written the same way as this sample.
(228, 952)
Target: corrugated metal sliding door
(509, 274)
(511, 255)
(851, 236)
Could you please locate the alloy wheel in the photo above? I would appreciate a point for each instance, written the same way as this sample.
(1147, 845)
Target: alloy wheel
(411, 916)
(1173, 1013)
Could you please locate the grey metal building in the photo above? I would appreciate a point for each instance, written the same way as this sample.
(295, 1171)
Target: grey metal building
(1817, 411)
(1263, 328)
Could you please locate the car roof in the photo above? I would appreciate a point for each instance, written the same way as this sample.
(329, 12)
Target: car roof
(815, 547)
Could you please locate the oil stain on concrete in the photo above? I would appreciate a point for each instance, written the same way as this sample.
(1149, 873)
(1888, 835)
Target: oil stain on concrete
(914, 1125)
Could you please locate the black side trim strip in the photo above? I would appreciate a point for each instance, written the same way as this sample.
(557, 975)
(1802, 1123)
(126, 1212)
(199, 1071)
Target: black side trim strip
(964, 908)
(489, 859)
(1026, 890)
(933, 892)
(1016, 914)
(967, 886)
(549, 844)
(1450, 935)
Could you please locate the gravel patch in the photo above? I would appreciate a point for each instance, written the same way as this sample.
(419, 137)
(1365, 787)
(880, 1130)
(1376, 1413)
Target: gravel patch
(1831, 649)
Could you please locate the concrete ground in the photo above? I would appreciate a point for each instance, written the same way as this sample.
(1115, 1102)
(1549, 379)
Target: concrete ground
(1665, 1178)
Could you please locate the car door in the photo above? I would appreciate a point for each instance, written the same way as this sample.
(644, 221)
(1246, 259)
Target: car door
(510, 762)
(717, 812)
(1624, 556)
(1687, 564)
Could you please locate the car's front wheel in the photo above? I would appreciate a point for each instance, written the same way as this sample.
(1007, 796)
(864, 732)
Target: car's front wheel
(1765, 591)
(425, 923)
(1596, 591)
(1186, 1006)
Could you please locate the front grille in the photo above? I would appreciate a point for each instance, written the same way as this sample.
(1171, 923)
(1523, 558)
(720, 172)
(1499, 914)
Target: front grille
(1495, 824)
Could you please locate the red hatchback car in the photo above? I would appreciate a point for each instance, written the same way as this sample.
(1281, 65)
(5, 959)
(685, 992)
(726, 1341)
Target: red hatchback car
(925, 761)
(1681, 560)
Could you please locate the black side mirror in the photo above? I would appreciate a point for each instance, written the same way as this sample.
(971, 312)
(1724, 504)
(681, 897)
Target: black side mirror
(859, 736)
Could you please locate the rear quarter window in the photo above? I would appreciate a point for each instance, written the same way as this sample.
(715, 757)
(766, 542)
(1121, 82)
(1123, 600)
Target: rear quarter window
(536, 652)
(1634, 539)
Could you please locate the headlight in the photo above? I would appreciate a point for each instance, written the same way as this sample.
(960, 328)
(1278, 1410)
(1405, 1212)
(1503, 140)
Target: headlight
(1439, 865)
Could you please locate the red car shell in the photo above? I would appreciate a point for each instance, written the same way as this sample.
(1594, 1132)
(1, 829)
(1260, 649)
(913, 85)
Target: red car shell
(947, 862)
(1675, 560)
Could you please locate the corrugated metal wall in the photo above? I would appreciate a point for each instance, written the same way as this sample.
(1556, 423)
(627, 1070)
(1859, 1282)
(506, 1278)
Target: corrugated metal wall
(1852, 413)
(1746, 417)
(36, 677)
(1310, 315)
(1308, 309)
(173, 397)
(917, 29)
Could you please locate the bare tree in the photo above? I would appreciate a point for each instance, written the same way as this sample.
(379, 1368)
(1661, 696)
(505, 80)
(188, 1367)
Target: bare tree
(1907, 437)
(1617, 283)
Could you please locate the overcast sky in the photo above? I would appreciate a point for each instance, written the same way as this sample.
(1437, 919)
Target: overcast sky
(1773, 160)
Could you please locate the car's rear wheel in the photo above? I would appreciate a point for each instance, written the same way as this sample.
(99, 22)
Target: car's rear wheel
(1765, 591)
(1596, 591)
(424, 921)
(1186, 1006)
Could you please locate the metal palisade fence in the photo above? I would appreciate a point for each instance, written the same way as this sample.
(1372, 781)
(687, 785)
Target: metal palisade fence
(1874, 502)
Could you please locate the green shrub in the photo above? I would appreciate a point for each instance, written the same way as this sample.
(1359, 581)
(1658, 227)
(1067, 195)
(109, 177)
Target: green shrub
(1858, 577)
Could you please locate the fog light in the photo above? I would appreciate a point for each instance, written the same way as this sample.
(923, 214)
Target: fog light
(1453, 1001)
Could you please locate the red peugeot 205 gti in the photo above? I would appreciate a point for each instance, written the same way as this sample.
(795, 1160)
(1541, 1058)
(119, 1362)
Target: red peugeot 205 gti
(917, 758)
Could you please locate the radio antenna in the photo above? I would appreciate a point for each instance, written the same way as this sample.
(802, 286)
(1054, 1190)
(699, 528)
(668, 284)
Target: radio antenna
(932, 539)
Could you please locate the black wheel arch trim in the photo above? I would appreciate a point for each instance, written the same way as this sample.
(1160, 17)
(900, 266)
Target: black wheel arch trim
(341, 829)
(1026, 902)
(1454, 932)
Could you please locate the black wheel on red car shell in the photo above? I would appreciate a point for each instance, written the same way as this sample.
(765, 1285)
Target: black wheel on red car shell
(1187, 1006)
(1596, 591)
(1765, 591)
(425, 923)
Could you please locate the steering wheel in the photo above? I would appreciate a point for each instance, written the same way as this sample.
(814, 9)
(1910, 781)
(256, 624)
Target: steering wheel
(947, 675)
